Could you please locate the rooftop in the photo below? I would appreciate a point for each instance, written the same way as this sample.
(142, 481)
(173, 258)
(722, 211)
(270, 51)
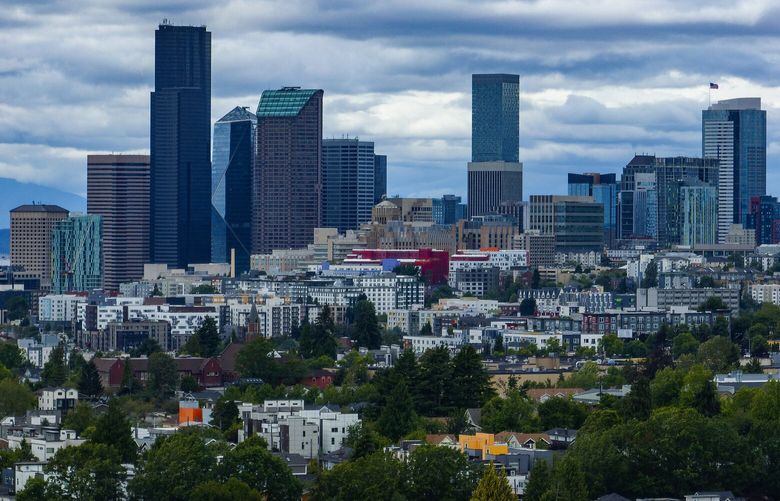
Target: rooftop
(285, 102)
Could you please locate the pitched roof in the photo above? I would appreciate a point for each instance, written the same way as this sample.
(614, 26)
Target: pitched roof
(522, 437)
(474, 415)
(238, 114)
(538, 393)
(285, 102)
(227, 359)
(436, 439)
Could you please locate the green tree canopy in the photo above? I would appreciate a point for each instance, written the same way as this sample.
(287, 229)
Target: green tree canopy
(398, 417)
(718, 354)
(89, 380)
(163, 375)
(365, 330)
(113, 429)
(252, 463)
(88, 472)
(562, 412)
(15, 398)
(470, 381)
(513, 413)
(80, 417)
(55, 371)
(435, 473)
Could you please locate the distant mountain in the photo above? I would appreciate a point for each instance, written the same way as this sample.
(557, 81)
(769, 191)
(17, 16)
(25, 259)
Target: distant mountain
(5, 242)
(13, 194)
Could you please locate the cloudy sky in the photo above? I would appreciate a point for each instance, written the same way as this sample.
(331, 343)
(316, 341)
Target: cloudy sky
(600, 80)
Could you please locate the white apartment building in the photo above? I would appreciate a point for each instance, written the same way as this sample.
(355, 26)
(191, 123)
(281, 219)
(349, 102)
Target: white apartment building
(765, 293)
(59, 307)
(420, 344)
(54, 399)
(44, 447)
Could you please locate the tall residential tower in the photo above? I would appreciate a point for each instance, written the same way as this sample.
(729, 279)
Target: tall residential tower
(348, 185)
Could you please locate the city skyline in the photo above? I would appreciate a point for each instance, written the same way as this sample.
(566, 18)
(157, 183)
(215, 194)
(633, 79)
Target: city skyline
(587, 108)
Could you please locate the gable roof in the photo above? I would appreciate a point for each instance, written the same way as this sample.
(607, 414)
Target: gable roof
(436, 439)
(522, 438)
(538, 393)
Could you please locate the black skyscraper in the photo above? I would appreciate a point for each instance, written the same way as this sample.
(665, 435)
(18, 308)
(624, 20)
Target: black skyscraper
(180, 146)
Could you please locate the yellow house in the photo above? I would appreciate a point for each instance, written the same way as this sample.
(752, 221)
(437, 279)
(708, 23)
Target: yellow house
(483, 442)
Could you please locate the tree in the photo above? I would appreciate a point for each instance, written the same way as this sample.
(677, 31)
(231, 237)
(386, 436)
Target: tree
(650, 278)
(536, 279)
(34, 490)
(172, 468)
(407, 269)
(435, 381)
(205, 341)
(539, 480)
(163, 376)
(364, 441)
(612, 345)
(55, 371)
(493, 486)
(435, 473)
(638, 403)
(568, 482)
(666, 386)
(17, 307)
(79, 418)
(256, 360)
(233, 489)
(113, 429)
(499, 345)
(91, 471)
(379, 476)
(718, 354)
(188, 384)
(147, 347)
(252, 463)
(204, 289)
(684, 343)
(513, 413)
(713, 303)
(89, 380)
(11, 356)
(706, 281)
(470, 381)
(426, 330)
(398, 417)
(224, 414)
(562, 412)
(129, 384)
(320, 338)
(15, 399)
(528, 306)
(699, 392)
(758, 346)
(366, 327)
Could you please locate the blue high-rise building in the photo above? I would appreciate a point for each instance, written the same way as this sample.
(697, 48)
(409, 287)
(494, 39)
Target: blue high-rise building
(180, 139)
(76, 254)
(348, 187)
(734, 132)
(603, 188)
(495, 118)
(380, 177)
(231, 188)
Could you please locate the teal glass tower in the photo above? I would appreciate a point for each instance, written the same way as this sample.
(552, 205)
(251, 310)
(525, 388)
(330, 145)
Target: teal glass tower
(77, 254)
(495, 118)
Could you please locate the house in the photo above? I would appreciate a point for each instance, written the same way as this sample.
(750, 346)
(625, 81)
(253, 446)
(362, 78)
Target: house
(46, 444)
(319, 378)
(561, 437)
(712, 496)
(524, 440)
(542, 395)
(612, 497)
(27, 470)
(473, 417)
(332, 459)
(297, 463)
(59, 399)
(593, 397)
(443, 440)
(206, 371)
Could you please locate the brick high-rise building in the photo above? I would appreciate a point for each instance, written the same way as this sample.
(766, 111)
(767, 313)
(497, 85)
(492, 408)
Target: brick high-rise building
(287, 197)
(118, 190)
(31, 236)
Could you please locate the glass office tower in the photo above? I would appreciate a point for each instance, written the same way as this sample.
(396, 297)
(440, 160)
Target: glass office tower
(348, 188)
(231, 185)
(734, 132)
(180, 143)
(603, 188)
(495, 118)
(76, 254)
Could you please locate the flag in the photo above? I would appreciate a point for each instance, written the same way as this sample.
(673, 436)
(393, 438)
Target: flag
(713, 85)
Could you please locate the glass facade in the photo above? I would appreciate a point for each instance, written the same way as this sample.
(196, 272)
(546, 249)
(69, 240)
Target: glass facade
(180, 144)
(699, 204)
(380, 177)
(231, 184)
(734, 132)
(348, 187)
(495, 118)
(76, 254)
(603, 189)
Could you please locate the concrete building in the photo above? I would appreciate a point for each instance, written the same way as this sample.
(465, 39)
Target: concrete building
(31, 237)
(539, 246)
(576, 222)
(765, 293)
(492, 231)
(493, 184)
(665, 299)
(57, 399)
(603, 188)
(287, 179)
(124, 336)
(118, 190)
(59, 307)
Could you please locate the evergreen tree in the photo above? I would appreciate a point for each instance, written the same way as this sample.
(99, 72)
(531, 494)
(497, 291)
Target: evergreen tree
(90, 471)
(435, 381)
(55, 372)
(398, 416)
(426, 330)
(527, 306)
(208, 337)
(536, 279)
(637, 404)
(538, 482)
(129, 384)
(89, 381)
(113, 430)
(499, 346)
(79, 418)
(366, 327)
(224, 414)
(493, 486)
(470, 381)
(323, 335)
(163, 376)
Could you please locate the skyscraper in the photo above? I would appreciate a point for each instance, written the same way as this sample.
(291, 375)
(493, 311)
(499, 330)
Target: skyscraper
(734, 132)
(288, 169)
(348, 184)
(380, 177)
(699, 204)
(495, 118)
(76, 254)
(231, 185)
(118, 191)
(603, 189)
(577, 222)
(495, 176)
(31, 231)
(764, 217)
(180, 146)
